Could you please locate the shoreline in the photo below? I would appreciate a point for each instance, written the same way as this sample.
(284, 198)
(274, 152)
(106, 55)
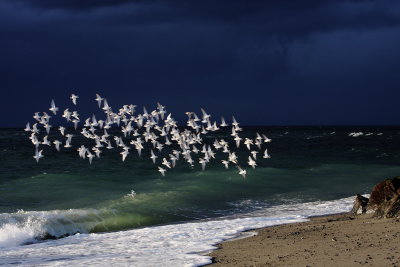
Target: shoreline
(327, 240)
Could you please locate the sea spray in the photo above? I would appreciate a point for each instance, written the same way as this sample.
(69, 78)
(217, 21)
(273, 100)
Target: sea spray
(13, 233)
(25, 227)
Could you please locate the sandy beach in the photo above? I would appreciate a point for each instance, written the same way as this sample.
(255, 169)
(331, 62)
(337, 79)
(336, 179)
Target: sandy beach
(335, 240)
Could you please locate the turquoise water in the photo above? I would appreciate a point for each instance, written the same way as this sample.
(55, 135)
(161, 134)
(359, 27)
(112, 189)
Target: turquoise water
(306, 164)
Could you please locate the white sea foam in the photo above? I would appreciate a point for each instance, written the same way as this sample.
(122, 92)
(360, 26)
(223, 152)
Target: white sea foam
(169, 245)
(12, 234)
(27, 226)
(356, 134)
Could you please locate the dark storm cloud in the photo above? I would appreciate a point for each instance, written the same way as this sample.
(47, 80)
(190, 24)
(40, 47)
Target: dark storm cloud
(279, 13)
(302, 53)
(283, 19)
(74, 4)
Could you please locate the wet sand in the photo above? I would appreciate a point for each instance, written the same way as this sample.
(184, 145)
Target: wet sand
(335, 240)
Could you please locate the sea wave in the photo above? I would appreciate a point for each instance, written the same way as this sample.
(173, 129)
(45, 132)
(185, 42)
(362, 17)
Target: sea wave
(25, 227)
(181, 244)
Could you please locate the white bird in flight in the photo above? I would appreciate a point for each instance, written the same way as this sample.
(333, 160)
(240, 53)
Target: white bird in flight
(166, 163)
(153, 157)
(124, 154)
(252, 163)
(53, 107)
(62, 130)
(234, 122)
(46, 141)
(226, 163)
(57, 144)
(248, 142)
(266, 155)
(28, 127)
(162, 170)
(38, 155)
(223, 123)
(99, 99)
(203, 163)
(254, 154)
(74, 98)
(242, 172)
(206, 117)
(90, 156)
(266, 139)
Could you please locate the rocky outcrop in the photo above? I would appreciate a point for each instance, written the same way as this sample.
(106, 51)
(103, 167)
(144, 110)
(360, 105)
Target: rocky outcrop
(384, 200)
(360, 205)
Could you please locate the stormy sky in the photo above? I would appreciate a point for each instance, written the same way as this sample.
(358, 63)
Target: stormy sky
(271, 62)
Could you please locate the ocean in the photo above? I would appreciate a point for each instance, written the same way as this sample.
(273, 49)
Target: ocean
(64, 211)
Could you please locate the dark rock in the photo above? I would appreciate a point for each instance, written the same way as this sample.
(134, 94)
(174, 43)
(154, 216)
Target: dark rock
(385, 198)
(393, 207)
(47, 236)
(384, 191)
(360, 205)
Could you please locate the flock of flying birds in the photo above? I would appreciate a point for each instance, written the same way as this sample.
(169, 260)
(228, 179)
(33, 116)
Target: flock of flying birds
(156, 128)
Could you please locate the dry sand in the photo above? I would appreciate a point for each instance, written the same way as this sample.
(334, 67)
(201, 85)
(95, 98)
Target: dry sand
(337, 240)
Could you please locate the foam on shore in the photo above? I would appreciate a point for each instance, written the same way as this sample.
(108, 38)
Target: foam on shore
(168, 245)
